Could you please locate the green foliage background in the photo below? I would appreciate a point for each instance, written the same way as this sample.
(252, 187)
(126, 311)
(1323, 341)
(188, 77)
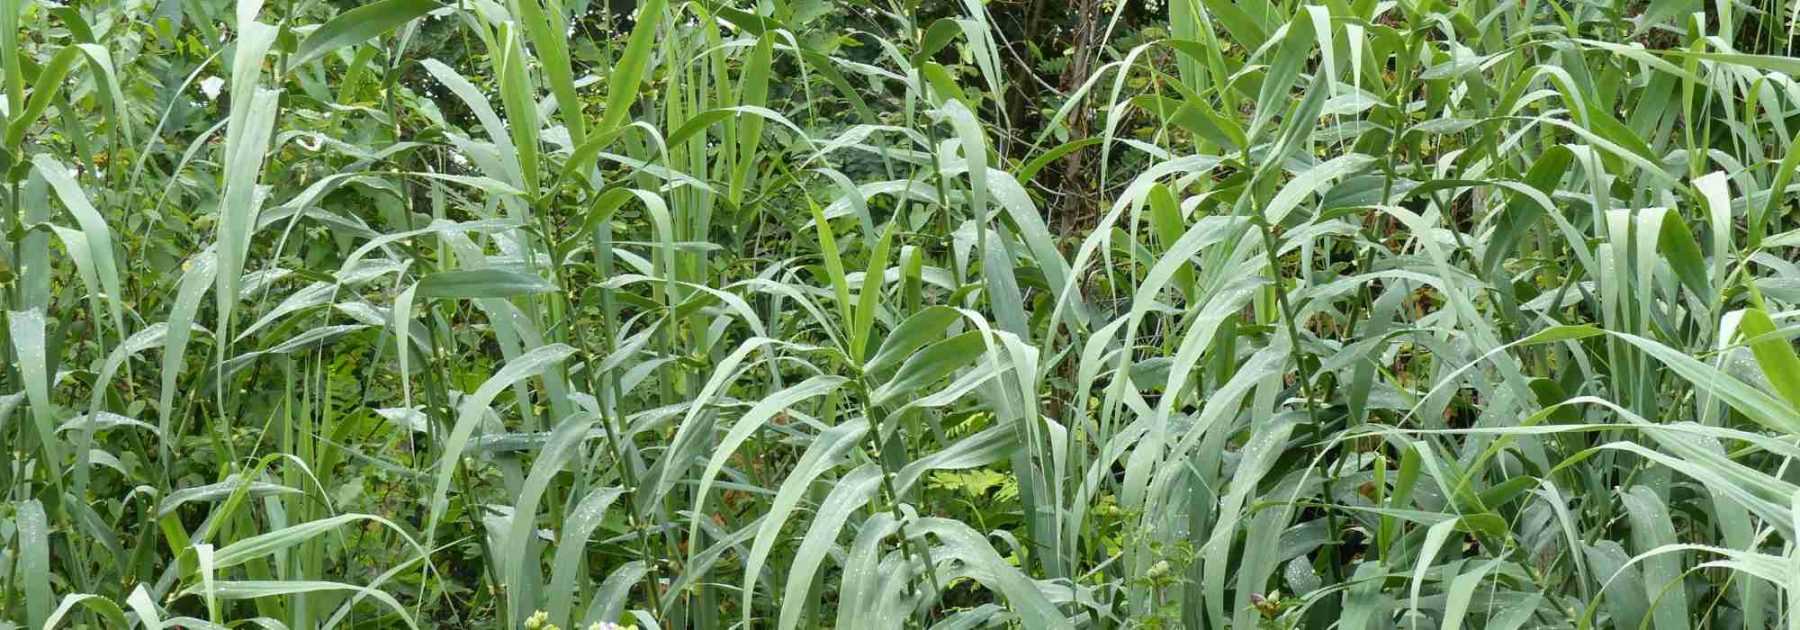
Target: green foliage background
(794, 313)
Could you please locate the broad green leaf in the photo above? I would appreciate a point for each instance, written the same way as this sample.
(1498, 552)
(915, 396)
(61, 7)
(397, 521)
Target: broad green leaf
(482, 283)
(358, 25)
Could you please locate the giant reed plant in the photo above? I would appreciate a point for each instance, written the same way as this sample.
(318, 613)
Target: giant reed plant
(697, 314)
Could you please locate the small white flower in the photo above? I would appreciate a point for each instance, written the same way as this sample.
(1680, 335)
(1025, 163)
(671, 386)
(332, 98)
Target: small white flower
(210, 86)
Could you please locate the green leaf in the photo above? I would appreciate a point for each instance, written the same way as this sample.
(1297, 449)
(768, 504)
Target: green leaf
(629, 69)
(93, 226)
(930, 365)
(1774, 353)
(482, 283)
(356, 26)
(27, 333)
(32, 529)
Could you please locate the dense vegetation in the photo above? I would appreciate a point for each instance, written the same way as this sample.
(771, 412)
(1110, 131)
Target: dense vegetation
(922, 313)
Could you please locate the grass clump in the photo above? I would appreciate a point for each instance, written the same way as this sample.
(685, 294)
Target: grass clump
(1203, 314)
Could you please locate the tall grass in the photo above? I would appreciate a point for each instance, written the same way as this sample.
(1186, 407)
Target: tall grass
(1361, 314)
